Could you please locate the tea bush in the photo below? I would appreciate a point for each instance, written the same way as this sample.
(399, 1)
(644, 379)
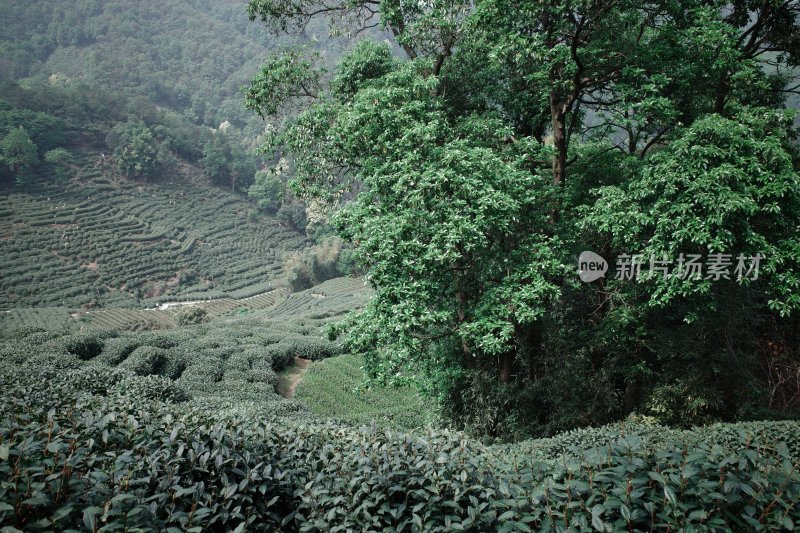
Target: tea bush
(150, 388)
(650, 437)
(104, 458)
(85, 346)
(312, 348)
(149, 360)
(87, 443)
(233, 361)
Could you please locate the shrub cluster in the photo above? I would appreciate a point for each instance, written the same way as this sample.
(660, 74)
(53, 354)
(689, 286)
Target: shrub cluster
(104, 458)
(191, 315)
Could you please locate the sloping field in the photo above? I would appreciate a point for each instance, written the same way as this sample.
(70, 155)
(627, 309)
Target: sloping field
(99, 242)
(311, 308)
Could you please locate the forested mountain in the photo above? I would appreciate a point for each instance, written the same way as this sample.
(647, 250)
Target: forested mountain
(152, 83)
(116, 120)
(192, 56)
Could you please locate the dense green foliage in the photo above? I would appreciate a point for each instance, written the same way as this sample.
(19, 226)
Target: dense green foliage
(158, 459)
(469, 178)
(146, 141)
(134, 149)
(19, 154)
(150, 317)
(207, 47)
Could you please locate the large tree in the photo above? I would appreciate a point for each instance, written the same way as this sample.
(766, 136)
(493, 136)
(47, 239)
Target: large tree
(19, 154)
(135, 149)
(460, 173)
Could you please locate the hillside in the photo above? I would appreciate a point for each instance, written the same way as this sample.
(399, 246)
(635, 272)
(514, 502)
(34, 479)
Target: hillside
(101, 241)
(209, 49)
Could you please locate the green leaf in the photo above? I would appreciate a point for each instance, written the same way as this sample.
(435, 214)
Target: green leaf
(90, 517)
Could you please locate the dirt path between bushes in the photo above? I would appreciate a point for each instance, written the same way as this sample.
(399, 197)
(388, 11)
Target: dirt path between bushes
(289, 378)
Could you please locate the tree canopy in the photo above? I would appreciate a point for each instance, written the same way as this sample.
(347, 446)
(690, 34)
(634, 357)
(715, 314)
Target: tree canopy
(470, 175)
(19, 153)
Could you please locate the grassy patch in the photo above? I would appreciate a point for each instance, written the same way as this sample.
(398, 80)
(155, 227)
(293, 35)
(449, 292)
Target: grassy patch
(333, 388)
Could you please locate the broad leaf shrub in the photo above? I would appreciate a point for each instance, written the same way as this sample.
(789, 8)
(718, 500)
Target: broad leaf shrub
(90, 444)
(307, 347)
(85, 453)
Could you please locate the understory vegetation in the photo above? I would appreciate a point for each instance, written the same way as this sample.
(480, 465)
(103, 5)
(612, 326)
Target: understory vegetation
(335, 389)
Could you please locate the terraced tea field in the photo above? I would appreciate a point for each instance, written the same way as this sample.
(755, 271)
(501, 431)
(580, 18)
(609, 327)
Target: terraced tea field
(312, 308)
(329, 300)
(99, 242)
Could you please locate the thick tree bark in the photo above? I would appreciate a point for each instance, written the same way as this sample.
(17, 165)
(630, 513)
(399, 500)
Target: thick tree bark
(721, 94)
(506, 367)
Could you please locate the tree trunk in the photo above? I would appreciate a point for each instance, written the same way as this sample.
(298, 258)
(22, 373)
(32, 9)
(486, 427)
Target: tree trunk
(633, 392)
(721, 94)
(558, 123)
(506, 367)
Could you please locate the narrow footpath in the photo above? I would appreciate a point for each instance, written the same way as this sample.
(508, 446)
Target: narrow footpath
(289, 378)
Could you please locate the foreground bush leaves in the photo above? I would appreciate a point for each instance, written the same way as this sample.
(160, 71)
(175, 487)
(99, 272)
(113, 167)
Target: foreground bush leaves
(75, 456)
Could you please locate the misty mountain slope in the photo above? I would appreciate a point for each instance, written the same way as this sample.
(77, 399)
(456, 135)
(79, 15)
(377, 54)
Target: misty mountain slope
(190, 55)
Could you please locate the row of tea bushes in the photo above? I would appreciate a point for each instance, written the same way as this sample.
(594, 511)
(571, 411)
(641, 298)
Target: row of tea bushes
(86, 453)
(315, 306)
(94, 241)
(649, 437)
(48, 317)
(221, 360)
(322, 303)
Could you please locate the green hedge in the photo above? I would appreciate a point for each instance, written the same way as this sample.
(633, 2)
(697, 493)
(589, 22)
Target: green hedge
(104, 458)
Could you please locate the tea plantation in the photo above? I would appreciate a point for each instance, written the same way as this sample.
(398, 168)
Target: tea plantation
(182, 430)
(143, 336)
(96, 241)
(119, 414)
